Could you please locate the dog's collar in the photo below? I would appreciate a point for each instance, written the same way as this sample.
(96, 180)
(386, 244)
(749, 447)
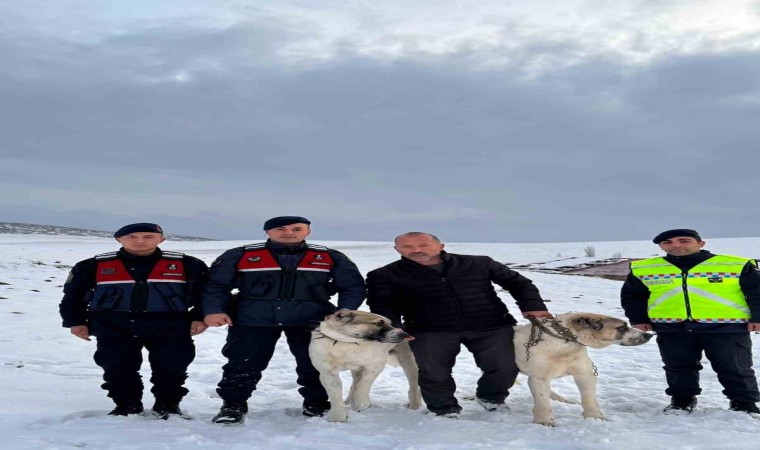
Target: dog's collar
(557, 330)
(334, 341)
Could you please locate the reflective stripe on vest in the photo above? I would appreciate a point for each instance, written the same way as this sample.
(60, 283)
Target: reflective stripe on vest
(709, 292)
(258, 259)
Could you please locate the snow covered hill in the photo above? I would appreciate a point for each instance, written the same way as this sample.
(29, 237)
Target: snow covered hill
(51, 396)
(32, 228)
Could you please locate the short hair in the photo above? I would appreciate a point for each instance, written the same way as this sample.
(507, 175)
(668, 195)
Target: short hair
(414, 234)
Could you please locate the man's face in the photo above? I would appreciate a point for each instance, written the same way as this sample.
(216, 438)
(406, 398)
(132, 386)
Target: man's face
(681, 246)
(141, 243)
(289, 234)
(421, 249)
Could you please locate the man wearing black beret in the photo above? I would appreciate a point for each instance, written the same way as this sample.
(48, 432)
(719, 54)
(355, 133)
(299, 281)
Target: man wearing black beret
(138, 297)
(283, 285)
(698, 302)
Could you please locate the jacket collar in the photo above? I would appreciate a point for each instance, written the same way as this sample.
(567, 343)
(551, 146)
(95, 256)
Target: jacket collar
(286, 249)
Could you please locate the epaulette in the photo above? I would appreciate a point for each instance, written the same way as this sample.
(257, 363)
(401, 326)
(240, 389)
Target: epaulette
(319, 248)
(109, 255)
(256, 246)
(172, 255)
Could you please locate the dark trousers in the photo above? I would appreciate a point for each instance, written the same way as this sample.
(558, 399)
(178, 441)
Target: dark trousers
(248, 351)
(436, 354)
(121, 359)
(730, 355)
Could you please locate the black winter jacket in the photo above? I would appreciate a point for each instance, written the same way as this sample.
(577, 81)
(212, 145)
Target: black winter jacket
(73, 306)
(634, 297)
(344, 278)
(462, 298)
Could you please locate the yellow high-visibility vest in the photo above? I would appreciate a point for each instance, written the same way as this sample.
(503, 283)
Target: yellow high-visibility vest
(708, 292)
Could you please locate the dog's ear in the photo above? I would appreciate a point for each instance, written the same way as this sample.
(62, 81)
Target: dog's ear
(346, 316)
(594, 324)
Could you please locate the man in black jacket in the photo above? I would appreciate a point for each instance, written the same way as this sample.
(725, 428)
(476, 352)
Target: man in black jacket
(284, 286)
(138, 297)
(447, 300)
(698, 302)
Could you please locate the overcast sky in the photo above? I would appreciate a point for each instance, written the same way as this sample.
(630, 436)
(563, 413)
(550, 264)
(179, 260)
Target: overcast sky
(479, 121)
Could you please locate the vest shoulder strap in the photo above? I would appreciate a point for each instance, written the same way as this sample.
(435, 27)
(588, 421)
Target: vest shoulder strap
(172, 255)
(256, 246)
(318, 248)
(106, 256)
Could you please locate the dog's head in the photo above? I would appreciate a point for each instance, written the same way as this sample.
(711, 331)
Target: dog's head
(357, 326)
(599, 331)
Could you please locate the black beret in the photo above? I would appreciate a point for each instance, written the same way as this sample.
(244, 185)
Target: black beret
(665, 235)
(276, 222)
(138, 228)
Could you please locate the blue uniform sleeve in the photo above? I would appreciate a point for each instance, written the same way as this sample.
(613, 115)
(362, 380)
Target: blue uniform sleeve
(216, 293)
(348, 281)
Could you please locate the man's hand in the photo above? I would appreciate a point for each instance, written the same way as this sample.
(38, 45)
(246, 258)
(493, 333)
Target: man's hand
(197, 327)
(753, 326)
(537, 314)
(82, 332)
(217, 320)
(645, 326)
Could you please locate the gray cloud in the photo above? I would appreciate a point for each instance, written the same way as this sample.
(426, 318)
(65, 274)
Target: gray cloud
(208, 132)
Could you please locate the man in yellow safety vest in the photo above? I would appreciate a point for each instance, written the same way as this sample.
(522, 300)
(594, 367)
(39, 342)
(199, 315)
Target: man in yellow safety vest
(698, 302)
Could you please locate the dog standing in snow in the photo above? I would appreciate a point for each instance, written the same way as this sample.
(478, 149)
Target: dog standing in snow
(552, 348)
(363, 343)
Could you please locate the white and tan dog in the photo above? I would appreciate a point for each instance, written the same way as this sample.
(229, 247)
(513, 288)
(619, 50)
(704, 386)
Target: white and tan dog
(363, 343)
(553, 348)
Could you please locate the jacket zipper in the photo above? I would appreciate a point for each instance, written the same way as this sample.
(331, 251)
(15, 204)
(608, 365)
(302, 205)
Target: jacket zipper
(684, 277)
(456, 301)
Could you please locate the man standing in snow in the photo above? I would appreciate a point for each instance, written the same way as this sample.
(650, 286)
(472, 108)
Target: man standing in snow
(698, 302)
(284, 286)
(447, 300)
(134, 298)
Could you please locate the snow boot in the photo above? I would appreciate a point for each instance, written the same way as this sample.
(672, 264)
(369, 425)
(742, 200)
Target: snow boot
(164, 408)
(747, 407)
(126, 408)
(315, 408)
(681, 403)
(231, 412)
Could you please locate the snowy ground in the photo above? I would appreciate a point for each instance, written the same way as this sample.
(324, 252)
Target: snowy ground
(51, 397)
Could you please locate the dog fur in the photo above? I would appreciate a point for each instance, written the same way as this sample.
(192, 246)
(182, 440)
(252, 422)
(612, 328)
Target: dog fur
(363, 343)
(554, 357)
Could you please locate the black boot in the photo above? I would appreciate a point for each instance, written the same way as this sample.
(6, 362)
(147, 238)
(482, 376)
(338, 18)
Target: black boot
(747, 407)
(231, 412)
(315, 408)
(164, 408)
(451, 410)
(126, 408)
(682, 403)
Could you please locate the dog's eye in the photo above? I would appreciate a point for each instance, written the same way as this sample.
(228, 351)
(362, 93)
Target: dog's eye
(380, 322)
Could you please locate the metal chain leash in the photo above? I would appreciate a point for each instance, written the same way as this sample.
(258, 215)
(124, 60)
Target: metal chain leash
(538, 327)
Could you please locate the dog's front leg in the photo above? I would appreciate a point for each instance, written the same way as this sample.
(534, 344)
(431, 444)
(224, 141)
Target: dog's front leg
(334, 388)
(360, 390)
(540, 389)
(406, 359)
(356, 375)
(586, 382)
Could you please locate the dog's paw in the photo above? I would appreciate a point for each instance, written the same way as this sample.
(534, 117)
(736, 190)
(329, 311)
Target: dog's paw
(547, 423)
(360, 405)
(337, 417)
(594, 415)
